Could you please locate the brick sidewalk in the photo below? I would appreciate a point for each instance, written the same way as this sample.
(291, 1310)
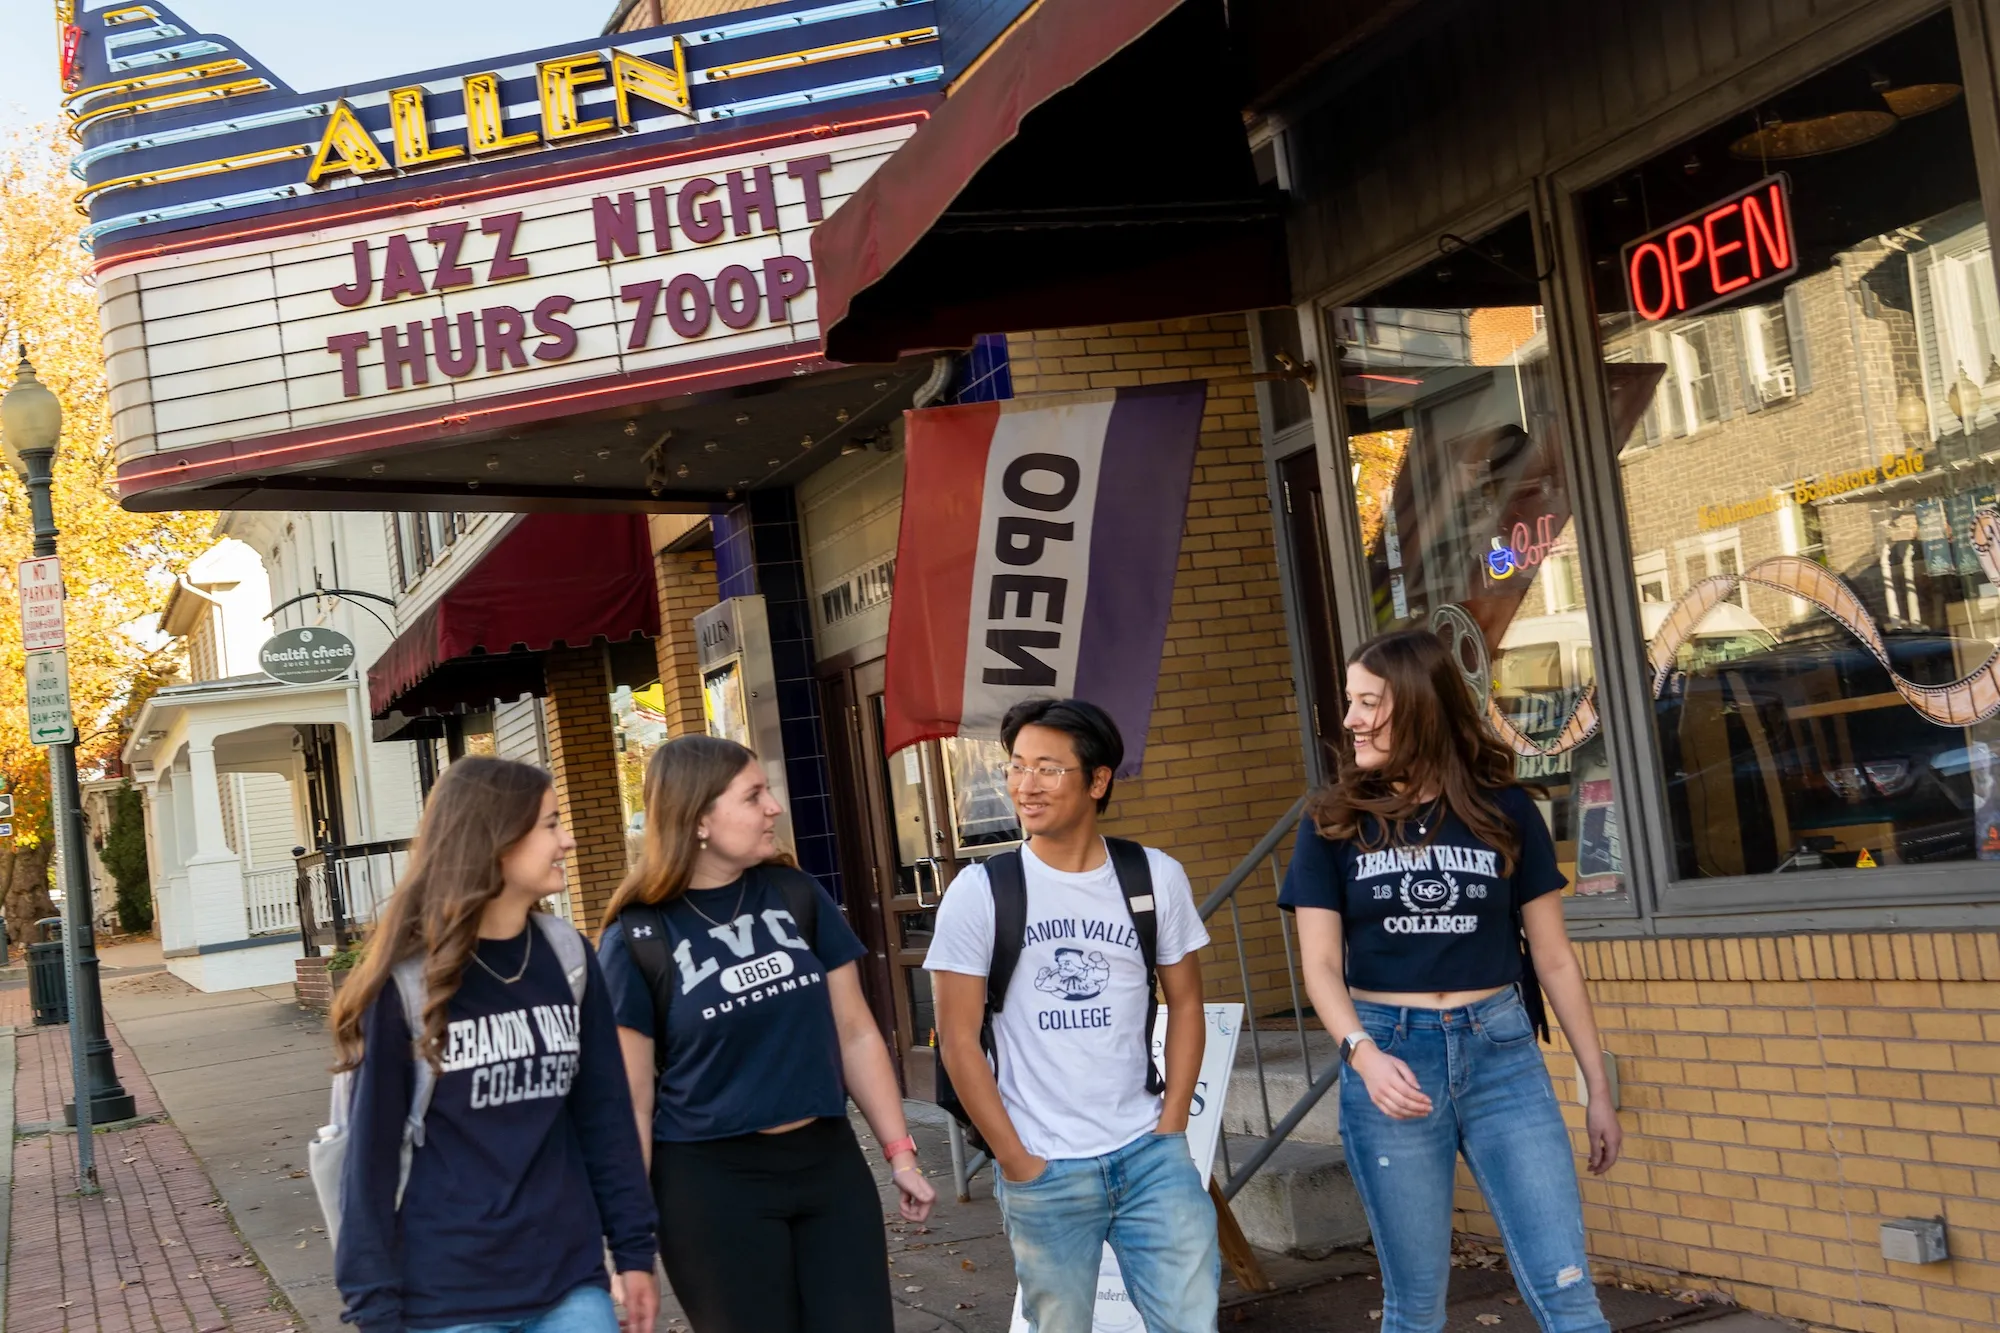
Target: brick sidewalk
(156, 1250)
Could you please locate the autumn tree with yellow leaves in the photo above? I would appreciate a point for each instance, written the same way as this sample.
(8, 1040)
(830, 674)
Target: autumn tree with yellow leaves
(118, 566)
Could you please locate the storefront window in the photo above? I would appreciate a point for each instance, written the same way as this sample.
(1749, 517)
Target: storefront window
(1801, 338)
(639, 722)
(1465, 516)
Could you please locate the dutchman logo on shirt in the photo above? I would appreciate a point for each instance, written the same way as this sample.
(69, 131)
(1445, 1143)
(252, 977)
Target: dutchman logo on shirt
(1076, 975)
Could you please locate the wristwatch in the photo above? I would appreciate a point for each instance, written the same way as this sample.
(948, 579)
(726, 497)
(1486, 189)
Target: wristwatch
(1350, 1044)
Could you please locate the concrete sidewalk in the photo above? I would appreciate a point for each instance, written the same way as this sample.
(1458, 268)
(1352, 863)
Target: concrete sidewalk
(244, 1076)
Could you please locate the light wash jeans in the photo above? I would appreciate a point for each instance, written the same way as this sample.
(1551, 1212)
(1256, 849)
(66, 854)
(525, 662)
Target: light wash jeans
(1150, 1203)
(1490, 1099)
(587, 1309)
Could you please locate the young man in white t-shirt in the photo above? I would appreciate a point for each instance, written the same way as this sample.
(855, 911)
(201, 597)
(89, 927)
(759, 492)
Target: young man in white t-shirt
(1084, 1153)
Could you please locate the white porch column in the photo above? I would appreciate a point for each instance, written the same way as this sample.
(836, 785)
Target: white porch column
(210, 840)
(218, 912)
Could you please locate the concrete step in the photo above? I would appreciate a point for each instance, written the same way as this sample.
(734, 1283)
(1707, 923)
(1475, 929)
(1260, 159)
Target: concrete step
(1300, 1203)
(1285, 1081)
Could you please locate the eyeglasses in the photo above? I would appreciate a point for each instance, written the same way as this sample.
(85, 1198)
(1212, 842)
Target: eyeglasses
(1049, 774)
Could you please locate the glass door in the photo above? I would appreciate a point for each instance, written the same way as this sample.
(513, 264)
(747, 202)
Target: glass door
(946, 806)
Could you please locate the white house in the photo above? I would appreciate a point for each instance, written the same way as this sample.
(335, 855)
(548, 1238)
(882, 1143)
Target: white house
(239, 769)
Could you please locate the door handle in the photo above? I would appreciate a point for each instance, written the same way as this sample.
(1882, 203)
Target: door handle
(930, 864)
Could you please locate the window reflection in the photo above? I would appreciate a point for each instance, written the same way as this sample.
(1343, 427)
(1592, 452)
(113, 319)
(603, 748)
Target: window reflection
(1807, 485)
(1465, 516)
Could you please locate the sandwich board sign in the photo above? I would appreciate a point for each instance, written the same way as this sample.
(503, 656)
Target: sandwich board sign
(1115, 1311)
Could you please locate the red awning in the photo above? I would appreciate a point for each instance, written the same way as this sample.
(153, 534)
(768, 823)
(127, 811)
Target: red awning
(556, 579)
(1093, 170)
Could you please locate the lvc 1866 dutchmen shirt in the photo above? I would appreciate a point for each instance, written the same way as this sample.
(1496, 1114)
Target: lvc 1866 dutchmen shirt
(1071, 1038)
(752, 1042)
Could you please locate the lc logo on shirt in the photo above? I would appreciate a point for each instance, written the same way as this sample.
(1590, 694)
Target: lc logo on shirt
(1076, 975)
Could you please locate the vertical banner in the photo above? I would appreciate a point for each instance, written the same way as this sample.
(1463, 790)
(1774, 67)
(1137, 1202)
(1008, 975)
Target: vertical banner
(1036, 559)
(1115, 1312)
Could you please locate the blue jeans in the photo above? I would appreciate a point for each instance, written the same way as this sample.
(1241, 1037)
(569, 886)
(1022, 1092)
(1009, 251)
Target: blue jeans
(1147, 1200)
(1490, 1099)
(587, 1309)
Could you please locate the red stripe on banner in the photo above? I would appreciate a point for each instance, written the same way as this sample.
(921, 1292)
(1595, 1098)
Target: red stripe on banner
(944, 482)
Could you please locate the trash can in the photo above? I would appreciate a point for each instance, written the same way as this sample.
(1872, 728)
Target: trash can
(48, 987)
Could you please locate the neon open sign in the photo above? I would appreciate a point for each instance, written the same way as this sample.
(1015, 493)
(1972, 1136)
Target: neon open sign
(1714, 254)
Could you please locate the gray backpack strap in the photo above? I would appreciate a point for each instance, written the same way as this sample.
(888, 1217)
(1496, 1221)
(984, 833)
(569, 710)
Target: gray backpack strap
(571, 951)
(409, 975)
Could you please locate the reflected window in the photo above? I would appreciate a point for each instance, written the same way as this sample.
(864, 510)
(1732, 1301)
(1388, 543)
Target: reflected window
(1811, 474)
(1455, 437)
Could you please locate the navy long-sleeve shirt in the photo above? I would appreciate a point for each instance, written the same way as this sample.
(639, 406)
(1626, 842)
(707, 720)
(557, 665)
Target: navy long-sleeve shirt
(530, 1163)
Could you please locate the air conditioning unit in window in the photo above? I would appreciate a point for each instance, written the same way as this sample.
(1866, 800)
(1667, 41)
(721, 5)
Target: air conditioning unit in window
(1779, 384)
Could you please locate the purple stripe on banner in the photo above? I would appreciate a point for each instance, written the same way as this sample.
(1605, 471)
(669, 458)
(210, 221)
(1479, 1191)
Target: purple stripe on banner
(1135, 546)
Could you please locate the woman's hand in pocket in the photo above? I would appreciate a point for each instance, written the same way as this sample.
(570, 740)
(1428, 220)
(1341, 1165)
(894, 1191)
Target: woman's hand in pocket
(917, 1193)
(1391, 1085)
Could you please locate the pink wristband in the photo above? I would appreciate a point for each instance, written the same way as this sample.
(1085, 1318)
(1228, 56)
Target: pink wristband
(906, 1144)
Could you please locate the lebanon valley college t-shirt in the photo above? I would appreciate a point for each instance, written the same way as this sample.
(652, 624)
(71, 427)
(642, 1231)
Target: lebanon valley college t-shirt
(1437, 916)
(751, 1041)
(1071, 1038)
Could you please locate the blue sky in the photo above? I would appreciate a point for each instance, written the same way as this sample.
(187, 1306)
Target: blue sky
(343, 42)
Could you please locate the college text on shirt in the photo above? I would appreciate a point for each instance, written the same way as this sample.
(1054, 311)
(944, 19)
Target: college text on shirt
(1079, 973)
(1426, 881)
(506, 1062)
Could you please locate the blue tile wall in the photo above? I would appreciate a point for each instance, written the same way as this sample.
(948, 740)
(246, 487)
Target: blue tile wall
(735, 562)
(984, 374)
(764, 532)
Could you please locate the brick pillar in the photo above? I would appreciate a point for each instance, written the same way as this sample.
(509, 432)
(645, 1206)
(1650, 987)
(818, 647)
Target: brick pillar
(686, 581)
(583, 752)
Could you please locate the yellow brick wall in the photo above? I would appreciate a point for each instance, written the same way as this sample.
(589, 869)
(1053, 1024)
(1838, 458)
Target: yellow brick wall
(1781, 1097)
(583, 753)
(686, 583)
(1223, 758)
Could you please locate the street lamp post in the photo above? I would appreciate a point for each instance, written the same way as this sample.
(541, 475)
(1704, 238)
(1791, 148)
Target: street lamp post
(30, 426)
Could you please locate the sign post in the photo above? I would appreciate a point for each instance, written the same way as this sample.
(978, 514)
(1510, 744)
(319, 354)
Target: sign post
(49, 721)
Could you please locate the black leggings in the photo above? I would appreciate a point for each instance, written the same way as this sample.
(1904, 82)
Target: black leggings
(774, 1233)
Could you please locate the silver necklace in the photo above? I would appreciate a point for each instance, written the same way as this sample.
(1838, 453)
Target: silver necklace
(733, 911)
(526, 954)
(1424, 821)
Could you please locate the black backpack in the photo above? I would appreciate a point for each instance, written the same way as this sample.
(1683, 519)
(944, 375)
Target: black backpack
(646, 939)
(1010, 926)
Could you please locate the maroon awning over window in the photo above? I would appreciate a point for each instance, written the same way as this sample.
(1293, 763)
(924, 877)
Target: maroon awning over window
(1092, 170)
(555, 579)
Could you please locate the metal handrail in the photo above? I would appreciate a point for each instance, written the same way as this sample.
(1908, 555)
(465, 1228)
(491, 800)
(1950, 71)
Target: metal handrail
(1261, 853)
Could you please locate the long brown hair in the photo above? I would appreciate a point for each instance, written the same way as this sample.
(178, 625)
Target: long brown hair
(1440, 747)
(683, 779)
(478, 810)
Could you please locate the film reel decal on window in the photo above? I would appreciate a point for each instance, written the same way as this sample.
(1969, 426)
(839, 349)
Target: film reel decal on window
(1972, 698)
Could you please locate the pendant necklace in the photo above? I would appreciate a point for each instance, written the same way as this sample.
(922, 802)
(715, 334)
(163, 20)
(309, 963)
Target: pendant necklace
(733, 912)
(526, 954)
(1424, 820)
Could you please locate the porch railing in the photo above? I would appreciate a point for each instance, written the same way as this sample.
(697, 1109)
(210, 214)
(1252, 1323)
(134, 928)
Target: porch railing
(273, 904)
(338, 890)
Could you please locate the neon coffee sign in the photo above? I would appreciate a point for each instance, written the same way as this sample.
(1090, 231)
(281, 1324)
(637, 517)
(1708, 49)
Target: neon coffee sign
(1714, 254)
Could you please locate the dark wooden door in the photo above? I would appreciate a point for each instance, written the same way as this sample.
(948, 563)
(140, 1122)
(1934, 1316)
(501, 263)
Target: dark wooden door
(1305, 529)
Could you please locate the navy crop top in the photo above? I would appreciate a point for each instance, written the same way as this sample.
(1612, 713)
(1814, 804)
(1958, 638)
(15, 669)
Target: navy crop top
(1432, 918)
